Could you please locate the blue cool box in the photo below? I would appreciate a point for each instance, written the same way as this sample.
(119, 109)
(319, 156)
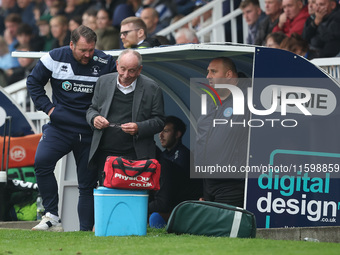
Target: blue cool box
(119, 212)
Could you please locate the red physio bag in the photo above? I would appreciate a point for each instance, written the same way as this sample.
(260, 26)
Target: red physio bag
(120, 173)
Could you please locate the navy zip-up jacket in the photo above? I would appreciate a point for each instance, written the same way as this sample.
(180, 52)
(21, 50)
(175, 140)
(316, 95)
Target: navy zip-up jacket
(72, 86)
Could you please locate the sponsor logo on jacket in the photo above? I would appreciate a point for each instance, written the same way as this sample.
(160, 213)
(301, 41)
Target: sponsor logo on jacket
(101, 60)
(77, 87)
(66, 85)
(63, 68)
(95, 70)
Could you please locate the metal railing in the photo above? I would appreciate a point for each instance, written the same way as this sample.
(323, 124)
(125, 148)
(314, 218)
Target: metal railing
(330, 66)
(18, 92)
(215, 30)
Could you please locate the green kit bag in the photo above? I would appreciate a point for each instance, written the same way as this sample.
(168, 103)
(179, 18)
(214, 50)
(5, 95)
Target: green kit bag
(23, 196)
(211, 219)
(22, 173)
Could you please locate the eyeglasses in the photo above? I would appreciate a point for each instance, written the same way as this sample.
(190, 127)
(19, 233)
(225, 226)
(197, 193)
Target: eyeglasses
(125, 33)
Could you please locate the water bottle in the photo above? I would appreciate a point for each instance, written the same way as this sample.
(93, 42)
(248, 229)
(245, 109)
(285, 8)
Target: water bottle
(40, 207)
(3, 202)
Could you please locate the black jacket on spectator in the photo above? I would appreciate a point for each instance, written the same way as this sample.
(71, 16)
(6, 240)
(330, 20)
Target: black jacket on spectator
(149, 42)
(20, 73)
(265, 27)
(325, 38)
(55, 43)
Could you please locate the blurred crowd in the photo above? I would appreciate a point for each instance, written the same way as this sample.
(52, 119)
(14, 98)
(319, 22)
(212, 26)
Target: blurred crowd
(309, 29)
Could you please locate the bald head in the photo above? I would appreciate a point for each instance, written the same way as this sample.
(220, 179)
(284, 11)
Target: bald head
(150, 18)
(129, 66)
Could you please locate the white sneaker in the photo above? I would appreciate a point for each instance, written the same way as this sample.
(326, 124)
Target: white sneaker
(49, 224)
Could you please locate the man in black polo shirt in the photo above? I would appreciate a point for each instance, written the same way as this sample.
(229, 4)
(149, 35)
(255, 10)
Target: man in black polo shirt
(223, 145)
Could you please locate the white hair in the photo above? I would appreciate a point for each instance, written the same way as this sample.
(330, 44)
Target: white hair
(189, 34)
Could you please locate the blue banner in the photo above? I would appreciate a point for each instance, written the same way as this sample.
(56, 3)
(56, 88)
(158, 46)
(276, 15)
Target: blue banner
(294, 159)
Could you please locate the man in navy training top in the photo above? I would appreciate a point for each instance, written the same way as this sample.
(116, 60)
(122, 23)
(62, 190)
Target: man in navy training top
(175, 183)
(171, 139)
(73, 71)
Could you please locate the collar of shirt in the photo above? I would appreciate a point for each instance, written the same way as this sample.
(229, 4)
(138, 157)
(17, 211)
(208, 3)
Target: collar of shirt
(127, 89)
(173, 150)
(140, 42)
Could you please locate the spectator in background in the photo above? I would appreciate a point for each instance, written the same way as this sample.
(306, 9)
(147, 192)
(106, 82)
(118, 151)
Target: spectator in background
(310, 19)
(166, 10)
(323, 34)
(186, 35)
(5, 57)
(293, 18)
(25, 68)
(253, 15)
(6, 62)
(109, 5)
(89, 18)
(273, 10)
(45, 32)
(27, 39)
(162, 40)
(27, 14)
(76, 7)
(171, 38)
(74, 22)
(134, 35)
(12, 23)
(296, 44)
(184, 7)
(135, 4)
(45, 7)
(7, 7)
(311, 8)
(57, 8)
(37, 13)
(177, 18)
(203, 20)
(107, 35)
(150, 17)
(60, 31)
(273, 40)
(17, 73)
(121, 12)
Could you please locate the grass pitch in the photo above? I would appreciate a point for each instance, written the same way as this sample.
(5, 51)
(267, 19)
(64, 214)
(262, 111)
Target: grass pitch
(157, 241)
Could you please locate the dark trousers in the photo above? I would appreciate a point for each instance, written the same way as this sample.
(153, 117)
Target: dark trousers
(228, 192)
(54, 144)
